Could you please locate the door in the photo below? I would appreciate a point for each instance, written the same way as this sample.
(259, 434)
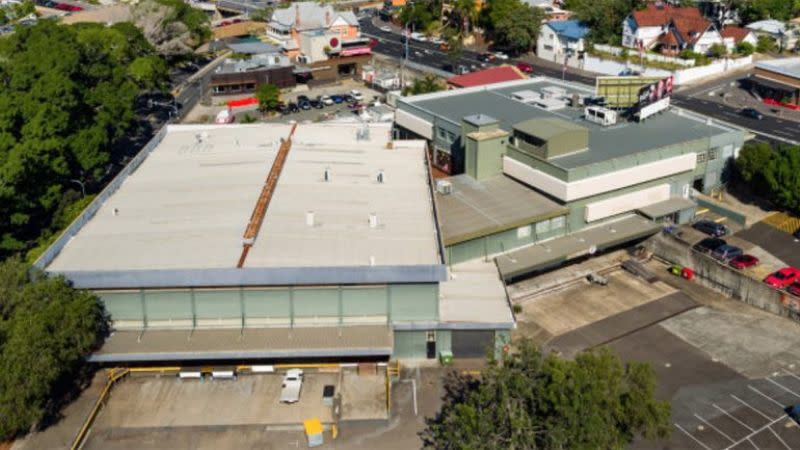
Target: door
(472, 344)
(430, 345)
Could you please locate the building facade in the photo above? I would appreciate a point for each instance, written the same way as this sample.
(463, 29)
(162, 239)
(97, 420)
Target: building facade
(561, 41)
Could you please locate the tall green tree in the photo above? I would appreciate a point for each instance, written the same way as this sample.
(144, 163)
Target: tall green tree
(604, 17)
(46, 330)
(530, 400)
(269, 97)
(782, 175)
(66, 95)
(424, 85)
(512, 24)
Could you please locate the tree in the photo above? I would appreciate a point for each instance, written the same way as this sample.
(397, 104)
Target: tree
(717, 50)
(67, 94)
(269, 97)
(46, 329)
(512, 24)
(754, 10)
(603, 18)
(424, 85)
(262, 14)
(751, 163)
(745, 48)
(766, 44)
(533, 401)
(782, 175)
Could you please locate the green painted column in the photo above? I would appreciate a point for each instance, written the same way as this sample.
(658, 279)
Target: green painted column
(291, 307)
(144, 308)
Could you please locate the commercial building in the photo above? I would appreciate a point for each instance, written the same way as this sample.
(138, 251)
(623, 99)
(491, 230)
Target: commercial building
(539, 169)
(778, 79)
(271, 241)
(245, 74)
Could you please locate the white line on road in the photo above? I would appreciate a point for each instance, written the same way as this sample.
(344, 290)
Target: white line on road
(765, 396)
(692, 437)
(790, 374)
(715, 428)
(732, 418)
(779, 438)
(747, 438)
(751, 407)
(783, 387)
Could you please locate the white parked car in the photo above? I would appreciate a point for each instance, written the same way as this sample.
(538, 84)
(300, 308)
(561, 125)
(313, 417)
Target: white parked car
(418, 37)
(326, 100)
(357, 95)
(386, 29)
(292, 384)
(500, 55)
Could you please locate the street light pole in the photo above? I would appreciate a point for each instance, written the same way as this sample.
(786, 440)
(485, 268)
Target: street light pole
(83, 188)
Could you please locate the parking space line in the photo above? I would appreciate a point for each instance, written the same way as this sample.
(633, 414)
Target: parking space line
(733, 418)
(692, 437)
(715, 428)
(790, 374)
(751, 407)
(783, 387)
(779, 438)
(753, 444)
(765, 396)
(755, 432)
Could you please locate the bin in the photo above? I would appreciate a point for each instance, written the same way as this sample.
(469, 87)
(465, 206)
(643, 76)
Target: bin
(676, 269)
(313, 429)
(446, 357)
(687, 273)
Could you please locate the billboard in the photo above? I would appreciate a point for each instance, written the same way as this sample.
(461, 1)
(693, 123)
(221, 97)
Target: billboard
(622, 92)
(654, 92)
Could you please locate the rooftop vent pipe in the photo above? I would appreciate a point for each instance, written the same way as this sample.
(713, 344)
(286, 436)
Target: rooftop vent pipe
(310, 218)
(373, 220)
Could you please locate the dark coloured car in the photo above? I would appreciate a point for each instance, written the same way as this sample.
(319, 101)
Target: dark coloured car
(349, 98)
(337, 99)
(708, 245)
(304, 105)
(710, 228)
(486, 57)
(752, 113)
(794, 288)
(316, 103)
(744, 261)
(726, 252)
(796, 233)
(302, 98)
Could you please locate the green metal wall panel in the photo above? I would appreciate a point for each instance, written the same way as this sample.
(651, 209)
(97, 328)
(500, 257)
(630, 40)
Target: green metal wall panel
(364, 301)
(272, 303)
(444, 341)
(322, 302)
(218, 304)
(409, 344)
(168, 305)
(414, 302)
(123, 305)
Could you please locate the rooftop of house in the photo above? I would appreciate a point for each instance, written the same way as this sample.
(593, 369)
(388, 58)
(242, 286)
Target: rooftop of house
(736, 33)
(570, 29)
(304, 16)
(605, 142)
(770, 26)
(187, 205)
(657, 15)
(487, 76)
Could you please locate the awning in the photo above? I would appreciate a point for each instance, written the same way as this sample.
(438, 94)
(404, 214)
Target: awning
(557, 251)
(247, 343)
(356, 51)
(666, 207)
(772, 84)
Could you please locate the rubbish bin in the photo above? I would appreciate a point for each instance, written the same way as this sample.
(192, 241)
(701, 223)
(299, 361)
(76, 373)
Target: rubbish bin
(446, 357)
(313, 429)
(687, 273)
(676, 269)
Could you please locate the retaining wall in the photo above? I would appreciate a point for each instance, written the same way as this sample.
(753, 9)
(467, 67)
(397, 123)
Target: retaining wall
(723, 278)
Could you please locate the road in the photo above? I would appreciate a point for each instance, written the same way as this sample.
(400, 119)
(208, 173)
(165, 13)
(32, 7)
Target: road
(770, 129)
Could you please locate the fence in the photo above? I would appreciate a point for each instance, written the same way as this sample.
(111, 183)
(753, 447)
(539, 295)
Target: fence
(617, 51)
(716, 208)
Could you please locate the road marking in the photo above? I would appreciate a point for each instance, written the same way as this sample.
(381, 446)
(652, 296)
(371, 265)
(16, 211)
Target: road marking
(747, 438)
(765, 396)
(747, 405)
(733, 418)
(692, 437)
(783, 387)
(779, 438)
(715, 428)
(790, 374)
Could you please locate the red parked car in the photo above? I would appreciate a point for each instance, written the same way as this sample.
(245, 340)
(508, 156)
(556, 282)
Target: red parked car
(68, 7)
(794, 288)
(783, 277)
(525, 67)
(744, 261)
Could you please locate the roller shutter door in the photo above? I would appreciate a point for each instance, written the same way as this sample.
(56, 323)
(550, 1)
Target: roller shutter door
(472, 344)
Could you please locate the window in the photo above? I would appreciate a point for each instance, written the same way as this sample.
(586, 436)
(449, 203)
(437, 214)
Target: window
(548, 48)
(524, 232)
(543, 227)
(701, 158)
(713, 154)
(451, 137)
(442, 134)
(557, 222)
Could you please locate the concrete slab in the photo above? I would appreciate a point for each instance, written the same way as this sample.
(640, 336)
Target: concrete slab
(611, 328)
(363, 396)
(584, 303)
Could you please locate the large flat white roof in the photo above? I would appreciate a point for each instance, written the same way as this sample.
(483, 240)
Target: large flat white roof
(187, 205)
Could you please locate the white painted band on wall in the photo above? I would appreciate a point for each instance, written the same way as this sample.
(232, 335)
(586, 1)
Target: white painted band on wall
(414, 123)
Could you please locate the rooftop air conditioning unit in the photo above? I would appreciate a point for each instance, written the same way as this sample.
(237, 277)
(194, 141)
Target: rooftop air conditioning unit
(599, 115)
(444, 187)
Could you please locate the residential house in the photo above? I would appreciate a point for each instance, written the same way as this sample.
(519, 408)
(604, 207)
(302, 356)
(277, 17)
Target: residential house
(288, 25)
(560, 40)
(733, 36)
(551, 9)
(785, 36)
(669, 30)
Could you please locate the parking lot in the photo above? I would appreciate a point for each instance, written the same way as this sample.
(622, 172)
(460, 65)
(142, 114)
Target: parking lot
(779, 242)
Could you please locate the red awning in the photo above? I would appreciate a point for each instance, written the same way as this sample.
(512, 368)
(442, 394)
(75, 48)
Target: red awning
(242, 102)
(356, 51)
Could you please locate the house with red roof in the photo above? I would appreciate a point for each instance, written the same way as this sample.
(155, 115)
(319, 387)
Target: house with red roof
(669, 29)
(733, 36)
(487, 76)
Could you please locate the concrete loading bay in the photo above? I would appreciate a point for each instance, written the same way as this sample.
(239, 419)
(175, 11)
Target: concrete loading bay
(158, 398)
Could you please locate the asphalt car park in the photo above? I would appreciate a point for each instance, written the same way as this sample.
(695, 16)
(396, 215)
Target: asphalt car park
(780, 243)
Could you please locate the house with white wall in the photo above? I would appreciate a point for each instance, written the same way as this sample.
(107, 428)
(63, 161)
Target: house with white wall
(561, 41)
(669, 30)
